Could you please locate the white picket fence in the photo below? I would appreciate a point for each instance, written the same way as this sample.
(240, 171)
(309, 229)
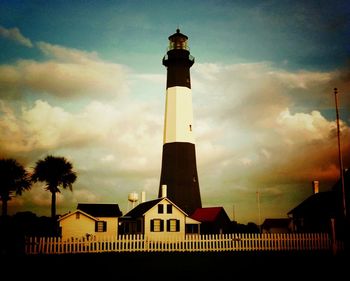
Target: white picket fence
(190, 243)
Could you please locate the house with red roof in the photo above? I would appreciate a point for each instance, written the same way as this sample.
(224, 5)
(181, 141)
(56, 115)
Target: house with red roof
(214, 220)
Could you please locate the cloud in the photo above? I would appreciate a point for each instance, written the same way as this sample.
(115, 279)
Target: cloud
(43, 126)
(65, 54)
(109, 133)
(303, 127)
(260, 126)
(250, 133)
(15, 34)
(69, 73)
(254, 94)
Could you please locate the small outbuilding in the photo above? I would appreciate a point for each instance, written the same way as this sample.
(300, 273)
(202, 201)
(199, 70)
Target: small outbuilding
(214, 220)
(90, 220)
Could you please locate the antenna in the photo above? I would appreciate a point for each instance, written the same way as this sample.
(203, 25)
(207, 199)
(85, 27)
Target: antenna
(233, 212)
(259, 209)
(339, 152)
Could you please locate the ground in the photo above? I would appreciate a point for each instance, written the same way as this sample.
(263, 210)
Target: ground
(181, 266)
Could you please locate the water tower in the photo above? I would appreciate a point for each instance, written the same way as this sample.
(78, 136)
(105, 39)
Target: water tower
(133, 197)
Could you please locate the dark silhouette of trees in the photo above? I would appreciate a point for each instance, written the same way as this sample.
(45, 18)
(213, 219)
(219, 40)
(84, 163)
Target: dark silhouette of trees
(56, 172)
(13, 179)
(250, 227)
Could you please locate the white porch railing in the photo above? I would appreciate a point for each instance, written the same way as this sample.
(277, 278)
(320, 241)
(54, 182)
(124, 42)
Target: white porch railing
(195, 243)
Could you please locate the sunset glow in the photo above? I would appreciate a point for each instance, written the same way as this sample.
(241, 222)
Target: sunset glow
(85, 81)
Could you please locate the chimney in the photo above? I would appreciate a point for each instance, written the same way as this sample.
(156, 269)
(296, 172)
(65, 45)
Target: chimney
(164, 190)
(315, 187)
(143, 196)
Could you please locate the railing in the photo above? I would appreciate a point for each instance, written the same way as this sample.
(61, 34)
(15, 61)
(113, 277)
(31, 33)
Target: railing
(197, 243)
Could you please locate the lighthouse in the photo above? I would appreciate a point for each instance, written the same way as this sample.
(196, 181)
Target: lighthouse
(179, 169)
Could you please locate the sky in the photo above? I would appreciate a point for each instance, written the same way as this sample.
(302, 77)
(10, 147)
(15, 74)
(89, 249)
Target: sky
(85, 80)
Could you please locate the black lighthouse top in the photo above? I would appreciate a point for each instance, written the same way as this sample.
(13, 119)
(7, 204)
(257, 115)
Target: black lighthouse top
(178, 61)
(178, 41)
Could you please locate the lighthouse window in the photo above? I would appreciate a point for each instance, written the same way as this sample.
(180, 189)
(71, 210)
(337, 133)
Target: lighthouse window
(190, 128)
(178, 43)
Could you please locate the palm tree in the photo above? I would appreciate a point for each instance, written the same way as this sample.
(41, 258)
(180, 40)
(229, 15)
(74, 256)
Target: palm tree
(56, 172)
(13, 179)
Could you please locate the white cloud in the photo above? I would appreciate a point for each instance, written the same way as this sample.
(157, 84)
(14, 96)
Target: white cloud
(303, 127)
(246, 161)
(15, 35)
(108, 158)
(85, 196)
(69, 74)
(301, 79)
(245, 111)
(68, 55)
(248, 126)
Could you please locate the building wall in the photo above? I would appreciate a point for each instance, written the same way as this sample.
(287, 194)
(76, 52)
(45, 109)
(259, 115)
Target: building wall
(153, 214)
(112, 227)
(84, 226)
(178, 125)
(77, 227)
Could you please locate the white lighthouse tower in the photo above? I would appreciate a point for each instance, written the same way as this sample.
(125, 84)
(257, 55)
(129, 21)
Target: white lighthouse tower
(179, 169)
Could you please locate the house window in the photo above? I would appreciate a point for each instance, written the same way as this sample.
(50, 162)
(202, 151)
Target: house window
(157, 225)
(169, 209)
(100, 226)
(77, 216)
(173, 225)
(160, 209)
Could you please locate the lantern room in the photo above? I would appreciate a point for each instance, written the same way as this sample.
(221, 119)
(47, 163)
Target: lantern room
(178, 41)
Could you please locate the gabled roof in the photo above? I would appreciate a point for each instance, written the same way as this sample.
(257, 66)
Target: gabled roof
(278, 222)
(77, 211)
(142, 208)
(209, 214)
(318, 204)
(100, 210)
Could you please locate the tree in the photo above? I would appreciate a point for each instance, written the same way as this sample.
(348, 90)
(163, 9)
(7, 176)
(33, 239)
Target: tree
(13, 179)
(56, 172)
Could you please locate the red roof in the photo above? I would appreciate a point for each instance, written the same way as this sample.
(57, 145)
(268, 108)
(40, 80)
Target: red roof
(209, 214)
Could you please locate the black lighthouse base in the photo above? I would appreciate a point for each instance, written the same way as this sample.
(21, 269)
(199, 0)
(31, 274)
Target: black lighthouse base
(179, 174)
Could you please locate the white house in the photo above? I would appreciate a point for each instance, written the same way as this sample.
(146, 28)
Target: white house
(157, 219)
(90, 220)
